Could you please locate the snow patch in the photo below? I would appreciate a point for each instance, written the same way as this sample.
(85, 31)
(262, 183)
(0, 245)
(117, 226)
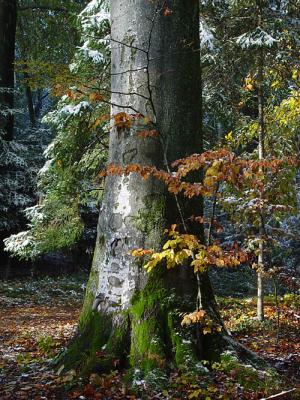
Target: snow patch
(207, 39)
(256, 38)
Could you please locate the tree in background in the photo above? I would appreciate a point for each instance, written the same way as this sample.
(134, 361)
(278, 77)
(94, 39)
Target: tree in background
(21, 158)
(8, 21)
(69, 191)
(264, 57)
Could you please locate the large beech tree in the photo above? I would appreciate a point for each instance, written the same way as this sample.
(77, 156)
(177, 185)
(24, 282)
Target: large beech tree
(155, 80)
(8, 20)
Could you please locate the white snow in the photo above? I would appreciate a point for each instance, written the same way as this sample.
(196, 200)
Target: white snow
(255, 38)
(75, 109)
(207, 39)
(49, 149)
(45, 167)
(18, 242)
(95, 55)
(92, 6)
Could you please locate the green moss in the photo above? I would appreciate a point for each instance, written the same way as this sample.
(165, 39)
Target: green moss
(148, 353)
(150, 217)
(93, 330)
(129, 39)
(89, 297)
(183, 348)
(118, 344)
(81, 354)
(92, 285)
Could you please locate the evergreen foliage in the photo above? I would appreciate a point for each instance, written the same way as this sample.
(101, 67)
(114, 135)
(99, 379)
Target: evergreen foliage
(78, 152)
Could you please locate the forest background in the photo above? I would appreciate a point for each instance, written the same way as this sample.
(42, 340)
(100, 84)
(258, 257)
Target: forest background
(234, 205)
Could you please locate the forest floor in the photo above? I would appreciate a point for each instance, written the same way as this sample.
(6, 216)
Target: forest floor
(39, 316)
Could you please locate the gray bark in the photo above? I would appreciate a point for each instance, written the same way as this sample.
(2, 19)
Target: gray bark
(155, 72)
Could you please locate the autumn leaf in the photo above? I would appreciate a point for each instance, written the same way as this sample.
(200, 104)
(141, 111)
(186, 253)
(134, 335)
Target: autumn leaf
(167, 11)
(122, 120)
(146, 134)
(207, 330)
(141, 252)
(95, 96)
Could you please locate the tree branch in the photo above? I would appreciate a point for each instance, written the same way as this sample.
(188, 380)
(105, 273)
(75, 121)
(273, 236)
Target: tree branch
(282, 395)
(44, 8)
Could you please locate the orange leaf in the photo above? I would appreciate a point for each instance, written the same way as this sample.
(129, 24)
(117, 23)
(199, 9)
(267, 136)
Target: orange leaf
(167, 11)
(122, 120)
(145, 134)
(95, 97)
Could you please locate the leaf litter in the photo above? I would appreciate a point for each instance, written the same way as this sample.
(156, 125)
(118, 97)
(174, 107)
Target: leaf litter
(39, 316)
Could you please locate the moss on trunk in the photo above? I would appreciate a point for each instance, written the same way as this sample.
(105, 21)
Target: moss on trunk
(149, 342)
(82, 352)
(137, 324)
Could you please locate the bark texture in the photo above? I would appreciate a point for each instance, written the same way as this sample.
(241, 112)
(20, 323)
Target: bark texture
(130, 315)
(8, 20)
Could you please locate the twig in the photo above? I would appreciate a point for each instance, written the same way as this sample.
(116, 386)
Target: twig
(277, 310)
(212, 218)
(115, 92)
(128, 45)
(282, 395)
(41, 7)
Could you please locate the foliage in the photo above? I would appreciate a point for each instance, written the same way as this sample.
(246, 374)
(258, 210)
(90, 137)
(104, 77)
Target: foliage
(46, 344)
(19, 163)
(76, 154)
(240, 41)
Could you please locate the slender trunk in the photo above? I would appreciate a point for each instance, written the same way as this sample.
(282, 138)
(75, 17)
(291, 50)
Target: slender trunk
(261, 155)
(8, 19)
(29, 98)
(260, 284)
(40, 102)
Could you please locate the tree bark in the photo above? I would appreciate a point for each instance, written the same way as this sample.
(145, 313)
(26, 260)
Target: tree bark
(30, 105)
(8, 20)
(261, 155)
(128, 315)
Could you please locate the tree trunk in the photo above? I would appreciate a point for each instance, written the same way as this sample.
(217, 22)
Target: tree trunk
(261, 155)
(128, 315)
(8, 19)
(30, 105)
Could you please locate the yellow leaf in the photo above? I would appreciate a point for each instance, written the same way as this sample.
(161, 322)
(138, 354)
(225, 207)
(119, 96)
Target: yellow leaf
(206, 330)
(220, 262)
(229, 136)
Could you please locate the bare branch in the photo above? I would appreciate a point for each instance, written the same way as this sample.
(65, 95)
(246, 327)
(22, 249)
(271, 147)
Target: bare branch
(283, 395)
(43, 8)
(128, 45)
(120, 93)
